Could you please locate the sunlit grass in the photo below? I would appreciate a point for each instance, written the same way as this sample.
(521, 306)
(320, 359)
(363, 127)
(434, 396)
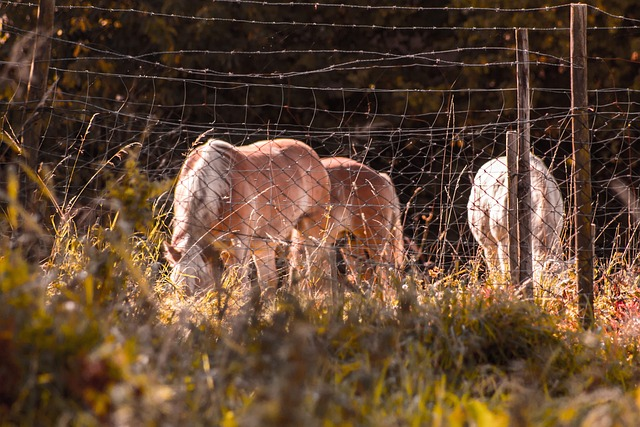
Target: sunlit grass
(99, 335)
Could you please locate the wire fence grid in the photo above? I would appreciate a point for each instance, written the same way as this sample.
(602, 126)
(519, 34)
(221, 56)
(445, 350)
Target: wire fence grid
(426, 95)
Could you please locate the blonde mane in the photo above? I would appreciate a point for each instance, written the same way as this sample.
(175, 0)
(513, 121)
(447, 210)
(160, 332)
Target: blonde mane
(202, 183)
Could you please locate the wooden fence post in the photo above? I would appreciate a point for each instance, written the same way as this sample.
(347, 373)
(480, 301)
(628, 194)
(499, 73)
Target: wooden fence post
(512, 205)
(524, 176)
(582, 163)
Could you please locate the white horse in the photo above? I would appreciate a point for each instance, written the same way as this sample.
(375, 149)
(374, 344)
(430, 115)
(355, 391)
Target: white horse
(487, 215)
(237, 204)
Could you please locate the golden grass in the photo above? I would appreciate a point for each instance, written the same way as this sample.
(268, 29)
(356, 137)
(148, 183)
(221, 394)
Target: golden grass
(97, 335)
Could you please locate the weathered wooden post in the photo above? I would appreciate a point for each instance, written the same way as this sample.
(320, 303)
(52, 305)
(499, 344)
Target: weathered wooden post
(581, 163)
(525, 258)
(512, 205)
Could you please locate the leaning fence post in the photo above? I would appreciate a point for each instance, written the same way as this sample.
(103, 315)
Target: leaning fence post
(581, 162)
(524, 177)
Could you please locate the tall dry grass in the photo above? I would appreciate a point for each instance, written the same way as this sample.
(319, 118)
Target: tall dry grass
(97, 335)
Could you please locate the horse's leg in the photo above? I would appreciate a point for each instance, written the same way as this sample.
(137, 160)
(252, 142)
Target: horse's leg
(327, 252)
(330, 254)
(384, 258)
(239, 261)
(265, 260)
(369, 244)
(316, 238)
(503, 259)
(215, 263)
(377, 246)
(490, 249)
(498, 236)
(296, 263)
(542, 256)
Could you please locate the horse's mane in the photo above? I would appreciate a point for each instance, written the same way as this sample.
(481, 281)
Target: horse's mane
(202, 184)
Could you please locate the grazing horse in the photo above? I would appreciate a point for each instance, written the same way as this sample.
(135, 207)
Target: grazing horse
(232, 204)
(487, 215)
(364, 208)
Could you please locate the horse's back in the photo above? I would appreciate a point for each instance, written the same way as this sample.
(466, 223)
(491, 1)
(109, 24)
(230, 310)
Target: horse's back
(359, 183)
(279, 181)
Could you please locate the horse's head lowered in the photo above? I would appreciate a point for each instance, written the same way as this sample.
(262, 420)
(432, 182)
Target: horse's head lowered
(193, 268)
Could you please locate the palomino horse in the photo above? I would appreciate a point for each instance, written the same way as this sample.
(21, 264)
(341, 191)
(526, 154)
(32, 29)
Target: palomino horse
(487, 215)
(235, 203)
(365, 208)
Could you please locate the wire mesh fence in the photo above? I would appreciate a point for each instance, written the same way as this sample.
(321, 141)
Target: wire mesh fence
(423, 94)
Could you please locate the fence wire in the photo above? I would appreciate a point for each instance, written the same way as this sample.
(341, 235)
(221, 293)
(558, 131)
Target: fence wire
(423, 94)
